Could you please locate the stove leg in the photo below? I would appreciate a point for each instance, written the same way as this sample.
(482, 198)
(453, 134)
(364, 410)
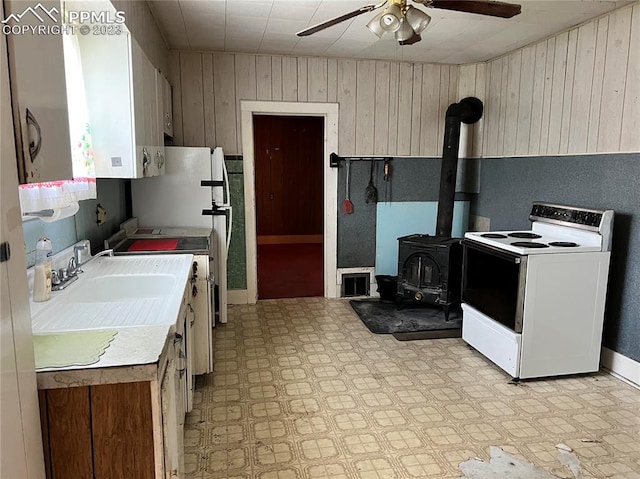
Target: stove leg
(446, 312)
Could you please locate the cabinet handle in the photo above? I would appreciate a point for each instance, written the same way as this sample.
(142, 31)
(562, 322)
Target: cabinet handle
(145, 161)
(34, 147)
(193, 312)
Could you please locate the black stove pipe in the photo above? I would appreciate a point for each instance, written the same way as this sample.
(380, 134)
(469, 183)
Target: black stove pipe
(468, 110)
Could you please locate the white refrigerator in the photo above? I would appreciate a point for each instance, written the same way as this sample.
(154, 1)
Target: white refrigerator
(177, 199)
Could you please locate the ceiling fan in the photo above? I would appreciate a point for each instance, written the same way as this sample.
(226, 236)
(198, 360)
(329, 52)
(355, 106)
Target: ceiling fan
(408, 22)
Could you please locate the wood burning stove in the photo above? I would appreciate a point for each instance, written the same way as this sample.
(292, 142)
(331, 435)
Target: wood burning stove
(430, 267)
(429, 271)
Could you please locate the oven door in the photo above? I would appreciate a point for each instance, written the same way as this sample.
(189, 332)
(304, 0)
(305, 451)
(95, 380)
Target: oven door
(493, 283)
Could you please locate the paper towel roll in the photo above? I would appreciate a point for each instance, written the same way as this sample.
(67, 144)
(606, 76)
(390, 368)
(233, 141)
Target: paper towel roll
(60, 213)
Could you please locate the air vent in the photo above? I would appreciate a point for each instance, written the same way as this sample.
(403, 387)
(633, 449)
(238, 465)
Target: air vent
(355, 284)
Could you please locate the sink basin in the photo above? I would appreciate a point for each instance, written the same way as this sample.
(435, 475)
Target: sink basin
(119, 288)
(117, 292)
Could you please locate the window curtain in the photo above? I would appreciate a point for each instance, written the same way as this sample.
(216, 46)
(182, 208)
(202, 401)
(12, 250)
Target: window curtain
(63, 194)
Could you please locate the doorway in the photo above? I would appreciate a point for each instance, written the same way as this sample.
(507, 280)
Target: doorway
(289, 192)
(327, 111)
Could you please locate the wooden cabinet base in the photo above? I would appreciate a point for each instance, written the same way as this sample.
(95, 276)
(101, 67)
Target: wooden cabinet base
(98, 432)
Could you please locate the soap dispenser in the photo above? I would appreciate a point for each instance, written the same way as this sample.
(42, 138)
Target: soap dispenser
(42, 270)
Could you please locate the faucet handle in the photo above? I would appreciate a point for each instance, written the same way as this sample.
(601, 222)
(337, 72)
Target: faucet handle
(55, 278)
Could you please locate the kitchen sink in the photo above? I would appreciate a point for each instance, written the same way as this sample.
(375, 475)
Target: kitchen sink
(130, 287)
(117, 292)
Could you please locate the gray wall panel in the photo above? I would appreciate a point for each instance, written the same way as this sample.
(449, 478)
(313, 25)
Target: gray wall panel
(411, 179)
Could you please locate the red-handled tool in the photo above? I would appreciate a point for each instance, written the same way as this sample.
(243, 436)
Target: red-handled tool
(387, 179)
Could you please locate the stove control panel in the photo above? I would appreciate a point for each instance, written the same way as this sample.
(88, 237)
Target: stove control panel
(575, 216)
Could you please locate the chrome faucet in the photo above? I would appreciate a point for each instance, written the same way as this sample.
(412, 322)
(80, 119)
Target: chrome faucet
(72, 267)
(106, 252)
(63, 277)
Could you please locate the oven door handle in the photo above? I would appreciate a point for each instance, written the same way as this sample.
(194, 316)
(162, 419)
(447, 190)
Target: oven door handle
(511, 257)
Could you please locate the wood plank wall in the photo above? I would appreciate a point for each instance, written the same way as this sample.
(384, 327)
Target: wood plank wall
(577, 92)
(144, 29)
(386, 107)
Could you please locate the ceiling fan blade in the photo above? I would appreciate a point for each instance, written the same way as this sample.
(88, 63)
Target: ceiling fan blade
(491, 8)
(334, 21)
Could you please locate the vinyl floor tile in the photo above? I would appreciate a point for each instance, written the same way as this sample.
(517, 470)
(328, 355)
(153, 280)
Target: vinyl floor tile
(302, 390)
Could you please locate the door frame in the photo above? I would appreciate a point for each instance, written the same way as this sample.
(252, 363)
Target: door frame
(329, 111)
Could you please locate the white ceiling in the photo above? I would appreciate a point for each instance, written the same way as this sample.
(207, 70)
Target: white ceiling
(270, 26)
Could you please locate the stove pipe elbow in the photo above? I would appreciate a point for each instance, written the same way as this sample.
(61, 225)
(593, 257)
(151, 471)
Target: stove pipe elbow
(468, 110)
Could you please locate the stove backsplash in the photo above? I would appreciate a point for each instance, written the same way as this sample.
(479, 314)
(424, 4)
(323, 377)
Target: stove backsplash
(510, 185)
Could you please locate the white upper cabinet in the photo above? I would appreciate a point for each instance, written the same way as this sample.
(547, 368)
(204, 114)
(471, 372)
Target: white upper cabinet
(122, 100)
(121, 91)
(38, 86)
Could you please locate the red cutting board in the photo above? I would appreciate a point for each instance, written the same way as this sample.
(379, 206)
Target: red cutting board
(153, 245)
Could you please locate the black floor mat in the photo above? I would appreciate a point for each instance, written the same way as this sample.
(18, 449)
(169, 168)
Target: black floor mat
(424, 322)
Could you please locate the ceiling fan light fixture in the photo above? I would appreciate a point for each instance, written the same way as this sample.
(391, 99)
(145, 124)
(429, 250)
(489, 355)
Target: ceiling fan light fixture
(375, 25)
(405, 31)
(391, 18)
(417, 19)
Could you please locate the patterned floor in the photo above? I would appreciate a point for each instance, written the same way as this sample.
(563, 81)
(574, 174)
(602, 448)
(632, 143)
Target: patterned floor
(302, 389)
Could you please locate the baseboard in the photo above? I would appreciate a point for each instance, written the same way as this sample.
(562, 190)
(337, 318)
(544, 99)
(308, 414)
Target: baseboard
(290, 239)
(621, 366)
(237, 296)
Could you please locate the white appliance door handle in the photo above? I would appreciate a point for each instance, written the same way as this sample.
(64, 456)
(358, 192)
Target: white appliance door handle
(225, 174)
(230, 227)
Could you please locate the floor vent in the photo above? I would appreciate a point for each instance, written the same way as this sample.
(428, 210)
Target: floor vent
(355, 284)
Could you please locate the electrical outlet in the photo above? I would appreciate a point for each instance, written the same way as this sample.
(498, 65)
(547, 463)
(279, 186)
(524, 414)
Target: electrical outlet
(116, 161)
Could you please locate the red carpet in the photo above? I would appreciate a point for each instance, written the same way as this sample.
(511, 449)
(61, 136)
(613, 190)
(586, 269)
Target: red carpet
(290, 270)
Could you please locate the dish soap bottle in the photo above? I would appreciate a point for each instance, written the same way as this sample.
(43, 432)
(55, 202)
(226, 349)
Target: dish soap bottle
(42, 271)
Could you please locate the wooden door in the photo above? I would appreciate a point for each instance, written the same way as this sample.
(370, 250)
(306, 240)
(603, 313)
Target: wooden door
(289, 175)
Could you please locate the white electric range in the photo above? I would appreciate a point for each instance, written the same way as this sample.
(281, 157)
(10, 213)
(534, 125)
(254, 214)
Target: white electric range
(533, 301)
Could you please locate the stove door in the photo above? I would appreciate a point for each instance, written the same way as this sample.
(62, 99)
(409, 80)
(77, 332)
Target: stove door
(493, 283)
(422, 271)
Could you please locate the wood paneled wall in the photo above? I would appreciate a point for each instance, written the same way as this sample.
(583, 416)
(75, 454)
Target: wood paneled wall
(386, 107)
(577, 92)
(144, 29)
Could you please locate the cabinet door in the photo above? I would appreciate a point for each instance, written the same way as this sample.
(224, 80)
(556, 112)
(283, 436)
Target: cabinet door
(151, 120)
(190, 320)
(170, 421)
(167, 107)
(144, 163)
(158, 134)
(69, 432)
(203, 311)
(121, 411)
(39, 97)
(107, 68)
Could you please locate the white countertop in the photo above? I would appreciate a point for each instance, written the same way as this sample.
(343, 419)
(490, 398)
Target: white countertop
(143, 326)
